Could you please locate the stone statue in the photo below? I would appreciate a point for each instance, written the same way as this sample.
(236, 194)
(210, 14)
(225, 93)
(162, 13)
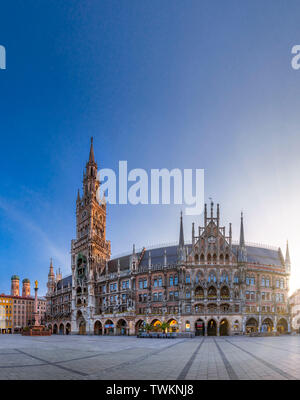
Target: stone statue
(36, 284)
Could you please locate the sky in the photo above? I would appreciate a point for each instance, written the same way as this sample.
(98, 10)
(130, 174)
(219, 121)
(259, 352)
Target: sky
(161, 84)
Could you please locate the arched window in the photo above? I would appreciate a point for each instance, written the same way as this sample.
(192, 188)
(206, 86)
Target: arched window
(263, 281)
(212, 277)
(225, 292)
(212, 292)
(281, 284)
(224, 277)
(187, 278)
(198, 277)
(199, 292)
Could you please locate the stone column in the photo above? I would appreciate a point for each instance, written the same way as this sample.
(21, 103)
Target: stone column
(36, 314)
(244, 325)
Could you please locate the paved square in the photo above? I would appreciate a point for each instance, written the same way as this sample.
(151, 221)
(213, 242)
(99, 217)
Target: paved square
(105, 357)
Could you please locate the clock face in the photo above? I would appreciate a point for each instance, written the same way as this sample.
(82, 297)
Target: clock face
(211, 239)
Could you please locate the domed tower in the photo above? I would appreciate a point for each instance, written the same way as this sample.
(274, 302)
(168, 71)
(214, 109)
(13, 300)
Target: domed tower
(15, 285)
(26, 287)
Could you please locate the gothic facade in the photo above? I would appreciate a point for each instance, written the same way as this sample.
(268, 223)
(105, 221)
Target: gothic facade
(209, 286)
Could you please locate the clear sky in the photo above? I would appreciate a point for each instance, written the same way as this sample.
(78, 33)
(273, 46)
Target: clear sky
(194, 84)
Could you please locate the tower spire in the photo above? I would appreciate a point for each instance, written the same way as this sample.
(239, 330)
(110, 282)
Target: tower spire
(242, 251)
(90, 180)
(181, 237)
(287, 255)
(51, 273)
(242, 238)
(92, 157)
(181, 247)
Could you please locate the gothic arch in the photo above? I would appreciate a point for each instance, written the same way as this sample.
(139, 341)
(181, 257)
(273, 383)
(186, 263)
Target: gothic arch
(212, 327)
(109, 327)
(61, 329)
(155, 322)
(98, 328)
(173, 325)
(224, 327)
(199, 292)
(225, 292)
(139, 325)
(199, 327)
(212, 292)
(122, 327)
(282, 326)
(251, 325)
(267, 325)
(68, 328)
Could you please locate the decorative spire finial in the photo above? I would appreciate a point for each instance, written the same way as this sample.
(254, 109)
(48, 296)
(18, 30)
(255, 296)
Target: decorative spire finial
(92, 157)
(242, 251)
(181, 237)
(287, 254)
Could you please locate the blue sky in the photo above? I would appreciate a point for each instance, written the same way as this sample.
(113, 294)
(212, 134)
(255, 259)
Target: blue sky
(162, 84)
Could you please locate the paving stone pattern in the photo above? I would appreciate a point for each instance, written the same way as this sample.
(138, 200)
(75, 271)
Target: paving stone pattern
(121, 358)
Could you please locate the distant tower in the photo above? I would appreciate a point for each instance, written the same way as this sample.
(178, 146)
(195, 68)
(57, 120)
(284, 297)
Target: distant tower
(15, 285)
(51, 279)
(181, 248)
(26, 287)
(287, 258)
(242, 251)
(58, 275)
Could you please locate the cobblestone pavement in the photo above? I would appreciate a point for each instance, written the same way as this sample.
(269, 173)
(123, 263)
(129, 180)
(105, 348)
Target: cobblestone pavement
(96, 357)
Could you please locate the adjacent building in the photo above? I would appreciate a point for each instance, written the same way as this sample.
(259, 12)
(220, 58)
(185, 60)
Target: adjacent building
(6, 310)
(19, 308)
(207, 286)
(295, 310)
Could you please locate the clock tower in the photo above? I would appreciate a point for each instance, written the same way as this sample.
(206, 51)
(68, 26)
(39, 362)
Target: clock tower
(90, 250)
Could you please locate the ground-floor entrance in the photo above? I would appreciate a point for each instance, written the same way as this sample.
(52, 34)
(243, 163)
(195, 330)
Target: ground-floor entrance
(224, 328)
(212, 328)
(199, 328)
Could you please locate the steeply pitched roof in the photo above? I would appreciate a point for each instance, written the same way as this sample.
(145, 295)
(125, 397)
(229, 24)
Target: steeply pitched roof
(63, 283)
(255, 254)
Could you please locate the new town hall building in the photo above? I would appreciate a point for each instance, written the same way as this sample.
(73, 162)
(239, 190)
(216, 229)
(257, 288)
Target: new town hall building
(209, 286)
